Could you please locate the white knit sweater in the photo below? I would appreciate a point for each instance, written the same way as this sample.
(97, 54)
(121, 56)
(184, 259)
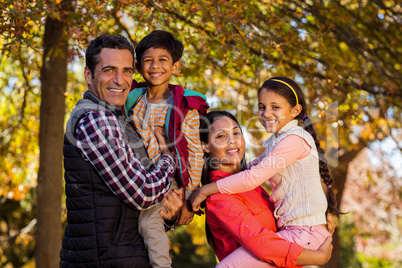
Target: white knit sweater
(296, 191)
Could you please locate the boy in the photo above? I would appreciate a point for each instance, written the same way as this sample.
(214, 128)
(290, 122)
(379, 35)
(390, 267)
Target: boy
(175, 111)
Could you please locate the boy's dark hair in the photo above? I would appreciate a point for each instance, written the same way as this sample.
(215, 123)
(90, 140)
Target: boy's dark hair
(160, 39)
(105, 41)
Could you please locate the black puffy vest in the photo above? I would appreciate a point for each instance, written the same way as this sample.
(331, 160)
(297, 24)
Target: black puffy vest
(101, 230)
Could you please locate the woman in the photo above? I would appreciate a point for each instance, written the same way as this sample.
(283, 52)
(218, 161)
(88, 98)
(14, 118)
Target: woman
(244, 221)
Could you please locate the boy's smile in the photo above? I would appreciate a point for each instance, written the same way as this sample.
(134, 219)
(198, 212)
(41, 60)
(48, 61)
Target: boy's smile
(156, 67)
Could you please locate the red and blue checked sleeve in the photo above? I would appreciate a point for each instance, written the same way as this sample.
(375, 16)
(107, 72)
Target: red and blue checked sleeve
(101, 139)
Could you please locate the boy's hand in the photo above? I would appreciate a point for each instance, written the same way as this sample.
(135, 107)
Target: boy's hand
(162, 142)
(186, 214)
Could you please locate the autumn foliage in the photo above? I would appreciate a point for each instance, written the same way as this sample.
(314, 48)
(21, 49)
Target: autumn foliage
(345, 55)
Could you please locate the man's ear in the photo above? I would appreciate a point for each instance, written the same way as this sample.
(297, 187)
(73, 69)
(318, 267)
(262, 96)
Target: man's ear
(88, 75)
(205, 147)
(295, 111)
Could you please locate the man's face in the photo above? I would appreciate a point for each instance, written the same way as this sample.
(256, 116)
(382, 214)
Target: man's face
(113, 75)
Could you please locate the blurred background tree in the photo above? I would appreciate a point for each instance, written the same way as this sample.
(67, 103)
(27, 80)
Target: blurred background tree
(345, 55)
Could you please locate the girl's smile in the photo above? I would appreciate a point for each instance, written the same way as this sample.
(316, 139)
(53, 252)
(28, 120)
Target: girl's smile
(274, 111)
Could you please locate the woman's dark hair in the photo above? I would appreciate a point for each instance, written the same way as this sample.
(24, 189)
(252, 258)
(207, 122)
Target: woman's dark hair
(160, 39)
(281, 88)
(105, 41)
(206, 122)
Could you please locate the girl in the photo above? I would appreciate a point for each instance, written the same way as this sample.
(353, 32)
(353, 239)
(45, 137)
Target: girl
(243, 223)
(290, 162)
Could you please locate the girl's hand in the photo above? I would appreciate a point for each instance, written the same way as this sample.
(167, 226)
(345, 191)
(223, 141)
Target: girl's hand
(197, 198)
(162, 142)
(202, 194)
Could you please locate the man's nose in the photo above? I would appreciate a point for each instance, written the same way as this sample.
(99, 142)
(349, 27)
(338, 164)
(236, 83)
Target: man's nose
(118, 78)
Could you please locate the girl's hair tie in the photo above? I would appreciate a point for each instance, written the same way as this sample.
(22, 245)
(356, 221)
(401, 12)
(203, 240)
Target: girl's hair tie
(328, 186)
(304, 117)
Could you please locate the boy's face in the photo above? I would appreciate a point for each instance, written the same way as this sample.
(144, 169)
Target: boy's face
(157, 67)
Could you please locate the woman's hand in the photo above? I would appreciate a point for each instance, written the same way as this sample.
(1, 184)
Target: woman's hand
(316, 257)
(326, 250)
(162, 142)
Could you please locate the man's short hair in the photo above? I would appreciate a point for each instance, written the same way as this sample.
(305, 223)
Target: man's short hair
(160, 39)
(105, 41)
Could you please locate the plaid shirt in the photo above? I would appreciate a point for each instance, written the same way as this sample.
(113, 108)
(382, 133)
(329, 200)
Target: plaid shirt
(101, 140)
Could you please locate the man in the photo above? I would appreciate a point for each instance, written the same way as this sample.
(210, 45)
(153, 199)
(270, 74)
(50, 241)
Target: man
(107, 182)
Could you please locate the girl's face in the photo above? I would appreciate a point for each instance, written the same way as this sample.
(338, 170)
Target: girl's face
(274, 111)
(225, 145)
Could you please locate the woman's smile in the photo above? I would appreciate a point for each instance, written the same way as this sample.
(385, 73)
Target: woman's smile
(226, 145)
(233, 151)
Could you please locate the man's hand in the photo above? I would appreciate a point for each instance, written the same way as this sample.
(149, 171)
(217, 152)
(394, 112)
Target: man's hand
(173, 202)
(186, 214)
(162, 142)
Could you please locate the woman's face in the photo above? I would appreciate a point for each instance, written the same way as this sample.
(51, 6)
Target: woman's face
(225, 145)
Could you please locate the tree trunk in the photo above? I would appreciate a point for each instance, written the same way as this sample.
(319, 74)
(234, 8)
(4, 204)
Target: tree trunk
(339, 176)
(52, 111)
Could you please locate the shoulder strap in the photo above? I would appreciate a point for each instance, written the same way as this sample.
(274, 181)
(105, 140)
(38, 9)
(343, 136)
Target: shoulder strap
(83, 106)
(196, 100)
(132, 98)
(188, 92)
